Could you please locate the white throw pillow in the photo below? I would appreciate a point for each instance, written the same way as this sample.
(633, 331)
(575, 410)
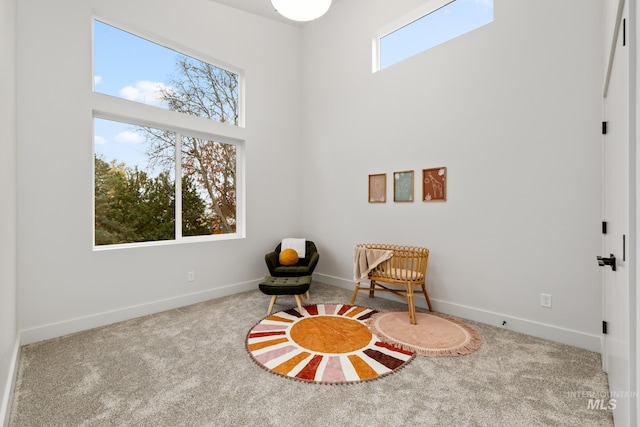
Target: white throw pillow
(299, 245)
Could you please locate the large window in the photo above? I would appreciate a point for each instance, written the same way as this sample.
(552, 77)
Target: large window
(436, 22)
(158, 176)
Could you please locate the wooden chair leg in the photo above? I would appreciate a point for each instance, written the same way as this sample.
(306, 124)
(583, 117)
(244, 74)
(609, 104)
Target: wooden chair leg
(355, 293)
(426, 296)
(299, 302)
(372, 288)
(412, 307)
(273, 301)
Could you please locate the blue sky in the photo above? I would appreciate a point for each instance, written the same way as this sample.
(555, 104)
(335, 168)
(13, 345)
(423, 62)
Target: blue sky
(128, 67)
(133, 68)
(444, 24)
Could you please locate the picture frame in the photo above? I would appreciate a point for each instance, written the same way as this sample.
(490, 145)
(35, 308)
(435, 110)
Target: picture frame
(378, 188)
(434, 184)
(403, 186)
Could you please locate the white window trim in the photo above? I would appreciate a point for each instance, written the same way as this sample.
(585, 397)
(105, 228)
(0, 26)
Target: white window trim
(179, 131)
(118, 109)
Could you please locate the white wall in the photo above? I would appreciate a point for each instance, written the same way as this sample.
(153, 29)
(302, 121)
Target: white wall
(8, 206)
(513, 111)
(65, 285)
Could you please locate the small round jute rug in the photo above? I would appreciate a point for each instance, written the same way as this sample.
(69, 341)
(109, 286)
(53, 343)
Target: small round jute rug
(434, 335)
(326, 344)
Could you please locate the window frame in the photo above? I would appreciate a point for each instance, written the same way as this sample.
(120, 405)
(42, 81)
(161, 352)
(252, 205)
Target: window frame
(113, 108)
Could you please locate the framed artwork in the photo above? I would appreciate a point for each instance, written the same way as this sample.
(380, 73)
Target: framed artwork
(434, 184)
(403, 186)
(378, 188)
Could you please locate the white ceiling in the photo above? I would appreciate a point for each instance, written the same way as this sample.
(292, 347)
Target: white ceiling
(262, 8)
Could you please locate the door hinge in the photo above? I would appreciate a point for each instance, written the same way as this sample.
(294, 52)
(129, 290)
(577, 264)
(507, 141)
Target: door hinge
(604, 227)
(604, 327)
(624, 32)
(604, 128)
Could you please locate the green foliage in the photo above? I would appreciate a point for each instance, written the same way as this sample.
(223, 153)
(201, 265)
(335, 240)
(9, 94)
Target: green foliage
(195, 220)
(132, 207)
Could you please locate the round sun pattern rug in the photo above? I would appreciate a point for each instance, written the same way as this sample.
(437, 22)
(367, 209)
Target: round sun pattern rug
(326, 343)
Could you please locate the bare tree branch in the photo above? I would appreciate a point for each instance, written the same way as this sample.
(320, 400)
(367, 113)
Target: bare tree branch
(202, 90)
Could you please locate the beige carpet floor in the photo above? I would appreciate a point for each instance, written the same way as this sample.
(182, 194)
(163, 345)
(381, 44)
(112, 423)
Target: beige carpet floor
(189, 367)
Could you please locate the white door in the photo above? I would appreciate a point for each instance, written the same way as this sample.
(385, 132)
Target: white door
(616, 355)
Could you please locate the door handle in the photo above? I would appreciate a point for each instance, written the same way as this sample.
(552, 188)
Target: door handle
(608, 261)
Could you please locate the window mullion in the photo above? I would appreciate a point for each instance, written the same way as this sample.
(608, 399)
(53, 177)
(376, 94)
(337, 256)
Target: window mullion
(178, 186)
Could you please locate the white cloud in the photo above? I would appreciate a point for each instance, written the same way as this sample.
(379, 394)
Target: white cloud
(145, 91)
(98, 140)
(97, 80)
(129, 137)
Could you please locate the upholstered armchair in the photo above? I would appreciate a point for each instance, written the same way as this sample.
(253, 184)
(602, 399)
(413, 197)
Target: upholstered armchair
(304, 267)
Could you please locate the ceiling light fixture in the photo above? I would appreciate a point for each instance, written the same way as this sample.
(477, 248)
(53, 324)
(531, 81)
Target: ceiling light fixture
(301, 10)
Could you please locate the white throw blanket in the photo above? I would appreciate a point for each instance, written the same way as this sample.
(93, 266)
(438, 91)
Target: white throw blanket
(365, 260)
(298, 245)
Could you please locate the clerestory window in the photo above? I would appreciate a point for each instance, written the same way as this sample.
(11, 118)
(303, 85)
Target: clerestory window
(436, 22)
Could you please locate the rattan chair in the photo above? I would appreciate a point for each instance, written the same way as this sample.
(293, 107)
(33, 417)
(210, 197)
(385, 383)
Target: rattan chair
(400, 274)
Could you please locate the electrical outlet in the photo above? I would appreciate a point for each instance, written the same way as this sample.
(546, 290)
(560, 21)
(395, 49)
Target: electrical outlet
(191, 276)
(545, 300)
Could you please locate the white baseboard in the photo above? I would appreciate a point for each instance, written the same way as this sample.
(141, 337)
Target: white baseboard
(53, 330)
(7, 395)
(529, 327)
